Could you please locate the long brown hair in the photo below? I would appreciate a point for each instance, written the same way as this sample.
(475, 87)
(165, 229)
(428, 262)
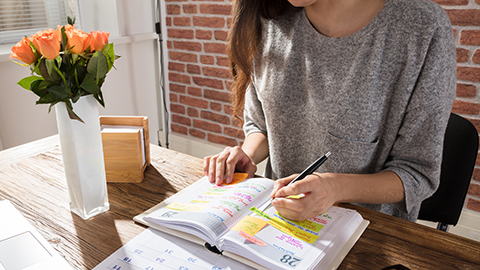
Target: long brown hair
(244, 36)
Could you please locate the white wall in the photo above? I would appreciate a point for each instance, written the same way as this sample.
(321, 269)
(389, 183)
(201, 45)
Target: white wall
(131, 89)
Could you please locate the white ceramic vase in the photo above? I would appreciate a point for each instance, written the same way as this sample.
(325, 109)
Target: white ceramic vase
(82, 153)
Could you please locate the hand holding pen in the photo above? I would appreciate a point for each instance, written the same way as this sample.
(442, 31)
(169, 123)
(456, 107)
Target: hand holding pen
(309, 170)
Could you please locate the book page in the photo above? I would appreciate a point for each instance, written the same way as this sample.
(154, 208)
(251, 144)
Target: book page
(209, 211)
(279, 243)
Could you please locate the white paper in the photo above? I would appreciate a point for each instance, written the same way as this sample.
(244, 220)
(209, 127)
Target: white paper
(154, 250)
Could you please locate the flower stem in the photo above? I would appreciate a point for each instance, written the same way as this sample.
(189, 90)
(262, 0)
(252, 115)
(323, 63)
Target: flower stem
(63, 78)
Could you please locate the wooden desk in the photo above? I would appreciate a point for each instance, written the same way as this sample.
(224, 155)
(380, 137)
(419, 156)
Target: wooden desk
(32, 178)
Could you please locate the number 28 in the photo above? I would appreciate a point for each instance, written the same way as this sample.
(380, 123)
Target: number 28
(289, 260)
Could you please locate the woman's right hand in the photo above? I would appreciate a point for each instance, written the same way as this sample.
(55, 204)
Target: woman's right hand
(222, 166)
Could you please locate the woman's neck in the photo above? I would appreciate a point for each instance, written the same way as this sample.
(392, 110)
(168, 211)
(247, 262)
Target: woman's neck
(340, 18)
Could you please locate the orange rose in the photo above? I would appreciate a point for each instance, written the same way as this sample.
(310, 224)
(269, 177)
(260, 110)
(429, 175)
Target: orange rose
(47, 43)
(98, 40)
(76, 40)
(23, 51)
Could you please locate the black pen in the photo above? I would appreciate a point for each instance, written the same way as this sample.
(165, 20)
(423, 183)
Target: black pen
(313, 167)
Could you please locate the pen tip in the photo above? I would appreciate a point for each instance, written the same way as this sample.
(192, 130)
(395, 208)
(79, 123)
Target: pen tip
(328, 154)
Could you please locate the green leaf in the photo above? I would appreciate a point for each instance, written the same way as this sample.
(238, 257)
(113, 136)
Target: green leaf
(89, 84)
(71, 114)
(25, 82)
(42, 68)
(110, 54)
(46, 99)
(49, 63)
(98, 65)
(58, 92)
(99, 97)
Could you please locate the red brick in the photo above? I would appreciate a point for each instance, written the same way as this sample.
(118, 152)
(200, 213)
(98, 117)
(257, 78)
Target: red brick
(471, 74)
(216, 117)
(204, 34)
(178, 88)
(173, 97)
(168, 21)
(190, 8)
(197, 133)
(176, 66)
(194, 102)
(463, 107)
(183, 57)
(451, 2)
(212, 22)
(214, 83)
(181, 120)
(182, 21)
(193, 69)
(470, 37)
(222, 140)
(221, 35)
(215, 9)
(207, 59)
(476, 174)
(169, 45)
(177, 108)
(229, 22)
(462, 55)
(180, 33)
(192, 112)
(175, 77)
(464, 17)
(476, 57)
(208, 126)
(179, 129)
(455, 32)
(216, 106)
(215, 48)
(188, 46)
(472, 204)
(474, 190)
(173, 9)
(234, 132)
(477, 1)
(229, 85)
(228, 110)
(217, 95)
(194, 91)
(223, 61)
(221, 73)
(466, 90)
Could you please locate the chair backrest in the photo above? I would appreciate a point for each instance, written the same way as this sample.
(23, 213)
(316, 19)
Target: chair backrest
(459, 155)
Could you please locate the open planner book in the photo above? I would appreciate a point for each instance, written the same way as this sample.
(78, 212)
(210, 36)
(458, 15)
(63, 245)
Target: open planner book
(226, 219)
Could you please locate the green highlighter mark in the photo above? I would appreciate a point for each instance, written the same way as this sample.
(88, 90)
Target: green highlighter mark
(260, 213)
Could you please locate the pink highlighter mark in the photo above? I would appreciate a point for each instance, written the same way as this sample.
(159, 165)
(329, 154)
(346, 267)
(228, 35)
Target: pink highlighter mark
(251, 238)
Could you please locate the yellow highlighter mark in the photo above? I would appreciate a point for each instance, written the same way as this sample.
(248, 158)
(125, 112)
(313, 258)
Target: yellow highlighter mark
(260, 213)
(186, 207)
(296, 230)
(250, 225)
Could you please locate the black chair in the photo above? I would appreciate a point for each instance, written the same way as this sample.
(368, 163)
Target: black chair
(459, 154)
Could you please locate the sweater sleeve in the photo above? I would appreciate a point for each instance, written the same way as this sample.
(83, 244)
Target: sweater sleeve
(254, 118)
(416, 155)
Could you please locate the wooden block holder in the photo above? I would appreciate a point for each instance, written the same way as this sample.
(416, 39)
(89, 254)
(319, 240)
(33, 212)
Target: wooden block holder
(123, 152)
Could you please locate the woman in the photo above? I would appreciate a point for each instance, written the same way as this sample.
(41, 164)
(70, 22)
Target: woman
(371, 81)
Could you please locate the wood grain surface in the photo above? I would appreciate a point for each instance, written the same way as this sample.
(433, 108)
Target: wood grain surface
(32, 178)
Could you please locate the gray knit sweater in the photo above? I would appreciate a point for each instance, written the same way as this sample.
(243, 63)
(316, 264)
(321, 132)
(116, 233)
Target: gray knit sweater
(378, 99)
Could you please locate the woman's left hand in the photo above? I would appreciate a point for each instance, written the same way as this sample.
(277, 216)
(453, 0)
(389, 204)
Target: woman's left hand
(318, 197)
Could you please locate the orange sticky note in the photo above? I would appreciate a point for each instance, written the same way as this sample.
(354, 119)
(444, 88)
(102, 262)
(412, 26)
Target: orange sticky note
(252, 239)
(250, 225)
(237, 178)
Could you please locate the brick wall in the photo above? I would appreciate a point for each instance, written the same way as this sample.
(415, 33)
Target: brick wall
(199, 78)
